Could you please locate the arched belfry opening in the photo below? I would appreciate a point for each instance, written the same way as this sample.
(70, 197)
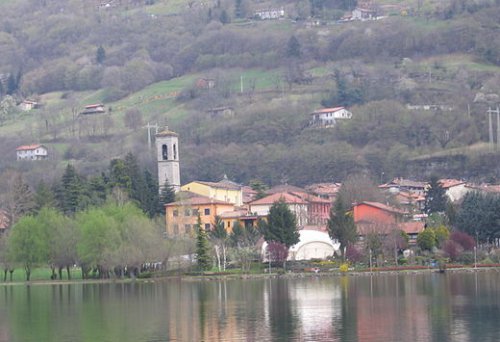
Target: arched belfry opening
(164, 152)
(175, 152)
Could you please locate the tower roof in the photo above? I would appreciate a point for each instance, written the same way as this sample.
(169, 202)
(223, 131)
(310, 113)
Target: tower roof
(165, 132)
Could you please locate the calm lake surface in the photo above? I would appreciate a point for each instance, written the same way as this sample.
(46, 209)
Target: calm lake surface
(411, 307)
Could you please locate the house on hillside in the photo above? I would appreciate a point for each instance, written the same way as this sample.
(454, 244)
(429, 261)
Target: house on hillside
(205, 83)
(270, 14)
(363, 14)
(455, 189)
(224, 190)
(32, 152)
(97, 108)
(327, 117)
(182, 216)
(401, 184)
(28, 105)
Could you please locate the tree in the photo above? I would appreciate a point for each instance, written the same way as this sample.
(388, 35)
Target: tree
(26, 243)
(59, 240)
(435, 197)
(98, 238)
(167, 195)
(100, 55)
(341, 225)
(358, 188)
(71, 191)
(478, 216)
(44, 197)
(426, 240)
(293, 48)
(219, 237)
(224, 17)
(18, 200)
(202, 248)
(281, 226)
(244, 240)
(240, 9)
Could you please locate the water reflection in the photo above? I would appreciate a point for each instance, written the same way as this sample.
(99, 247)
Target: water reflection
(411, 307)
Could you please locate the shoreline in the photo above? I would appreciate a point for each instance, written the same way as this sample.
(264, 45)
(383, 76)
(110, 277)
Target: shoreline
(289, 275)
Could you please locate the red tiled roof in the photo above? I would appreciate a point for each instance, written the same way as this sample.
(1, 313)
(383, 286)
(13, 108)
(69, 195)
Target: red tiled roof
(28, 147)
(449, 183)
(94, 106)
(411, 227)
(327, 110)
(285, 196)
(383, 207)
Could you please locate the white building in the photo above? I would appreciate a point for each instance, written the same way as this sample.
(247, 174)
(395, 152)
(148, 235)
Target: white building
(31, 152)
(167, 156)
(313, 244)
(327, 117)
(270, 14)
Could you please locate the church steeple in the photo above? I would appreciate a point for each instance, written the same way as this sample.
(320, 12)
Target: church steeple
(167, 157)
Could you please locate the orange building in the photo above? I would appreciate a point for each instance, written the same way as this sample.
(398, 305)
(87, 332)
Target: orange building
(182, 216)
(374, 217)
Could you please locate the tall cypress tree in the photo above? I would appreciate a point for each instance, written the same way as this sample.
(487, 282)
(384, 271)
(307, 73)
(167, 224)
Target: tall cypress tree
(70, 191)
(202, 248)
(435, 197)
(340, 225)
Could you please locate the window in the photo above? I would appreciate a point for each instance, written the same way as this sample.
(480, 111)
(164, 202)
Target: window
(187, 212)
(207, 211)
(196, 212)
(176, 212)
(164, 152)
(175, 152)
(176, 229)
(187, 228)
(207, 226)
(228, 224)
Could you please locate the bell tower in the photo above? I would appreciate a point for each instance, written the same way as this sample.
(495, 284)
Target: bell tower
(167, 157)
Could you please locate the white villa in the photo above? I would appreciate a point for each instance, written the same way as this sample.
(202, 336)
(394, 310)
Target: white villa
(327, 117)
(32, 152)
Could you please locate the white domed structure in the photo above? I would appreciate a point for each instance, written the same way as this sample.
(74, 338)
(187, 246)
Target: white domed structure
(313, 244)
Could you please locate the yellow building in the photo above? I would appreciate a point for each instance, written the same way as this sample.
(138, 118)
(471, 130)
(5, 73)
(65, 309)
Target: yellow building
(225, 190)
(181, 216)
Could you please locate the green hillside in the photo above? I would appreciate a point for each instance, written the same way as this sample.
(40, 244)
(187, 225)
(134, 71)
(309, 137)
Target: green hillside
(268, 75)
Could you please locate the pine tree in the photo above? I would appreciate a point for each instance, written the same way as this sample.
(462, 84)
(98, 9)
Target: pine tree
(152, 198)
(202, 248)
(281, 225)
(167, 195)
(70, 191)
(435, 197)
(340, 225)
(293, 48)
(100, 55)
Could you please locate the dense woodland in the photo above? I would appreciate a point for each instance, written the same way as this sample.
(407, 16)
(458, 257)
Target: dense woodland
(446, 54)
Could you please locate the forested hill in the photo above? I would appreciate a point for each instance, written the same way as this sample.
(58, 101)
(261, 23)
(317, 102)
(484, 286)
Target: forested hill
(418, 78)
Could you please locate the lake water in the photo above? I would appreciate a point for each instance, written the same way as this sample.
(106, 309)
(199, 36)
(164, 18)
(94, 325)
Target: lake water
(411, 307)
